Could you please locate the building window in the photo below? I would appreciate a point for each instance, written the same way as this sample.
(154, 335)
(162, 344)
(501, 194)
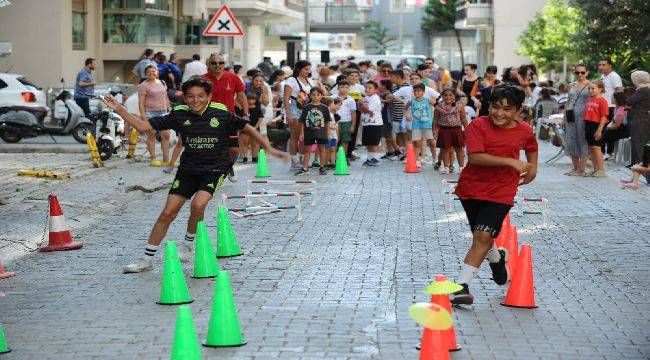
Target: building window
(401, 5)
(78, 24)
(162, 5)
(138, 22)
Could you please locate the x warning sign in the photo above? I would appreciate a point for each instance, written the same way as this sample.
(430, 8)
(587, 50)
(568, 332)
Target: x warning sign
(223, 23)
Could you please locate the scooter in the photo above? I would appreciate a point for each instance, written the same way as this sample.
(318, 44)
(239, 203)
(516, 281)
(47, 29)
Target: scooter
(69, 117)
(108, 132)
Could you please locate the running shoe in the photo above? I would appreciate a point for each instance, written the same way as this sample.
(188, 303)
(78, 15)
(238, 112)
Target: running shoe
(443, 170)
(231, 175)
(255, 160)
(322, 171)
(607, 157)
(315, 164)
(140, 266)
(155, 163)
(366, 163)
(451, 168)
(402, 157)
(301, 172)
(462, 296)
(436, 166)
(500, 273)
(386, 155)
(168, 169)
(599, 174)
(244, 160)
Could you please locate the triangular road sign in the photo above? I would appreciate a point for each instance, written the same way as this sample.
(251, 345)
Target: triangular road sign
(223, 23)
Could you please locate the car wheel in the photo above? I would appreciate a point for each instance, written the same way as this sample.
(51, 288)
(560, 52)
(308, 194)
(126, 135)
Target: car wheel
(79, 132)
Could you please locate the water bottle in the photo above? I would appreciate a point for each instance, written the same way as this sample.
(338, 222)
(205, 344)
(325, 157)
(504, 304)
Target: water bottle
(121, 185)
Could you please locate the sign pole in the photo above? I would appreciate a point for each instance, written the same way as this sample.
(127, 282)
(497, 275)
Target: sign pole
(222, 40)
(307, 30)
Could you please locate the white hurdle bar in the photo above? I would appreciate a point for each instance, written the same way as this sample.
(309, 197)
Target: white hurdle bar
(520, 210)
(447, 192)
(265, 208)
(309, 183)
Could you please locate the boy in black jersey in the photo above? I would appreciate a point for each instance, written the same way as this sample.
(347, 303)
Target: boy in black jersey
(204, 127)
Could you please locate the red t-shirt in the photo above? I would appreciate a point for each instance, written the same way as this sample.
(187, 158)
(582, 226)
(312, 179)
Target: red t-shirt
(225, 89)
(494, 183)
(595, 109)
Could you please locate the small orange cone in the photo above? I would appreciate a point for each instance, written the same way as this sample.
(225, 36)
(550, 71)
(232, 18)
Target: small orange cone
(512, 247)
(433, 345)
(501, 239)
(411, 163)
(449, 335)
(4, 275)
(60, 236)
(506, 222)
(521, 292)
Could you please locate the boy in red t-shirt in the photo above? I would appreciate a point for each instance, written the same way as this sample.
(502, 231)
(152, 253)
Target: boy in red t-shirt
(487, 186)
(596, 116)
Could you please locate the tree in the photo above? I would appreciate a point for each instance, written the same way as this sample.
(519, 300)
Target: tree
(379, 35)
(547, 41)
(442, 17)
(618, 29)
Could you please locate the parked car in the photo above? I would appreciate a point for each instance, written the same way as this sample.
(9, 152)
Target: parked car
(17, 93)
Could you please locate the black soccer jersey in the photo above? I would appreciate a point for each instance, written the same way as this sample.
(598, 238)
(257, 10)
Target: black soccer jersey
(204, 135)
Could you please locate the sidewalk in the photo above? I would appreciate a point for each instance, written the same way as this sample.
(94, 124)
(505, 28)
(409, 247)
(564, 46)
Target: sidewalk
(338, 284)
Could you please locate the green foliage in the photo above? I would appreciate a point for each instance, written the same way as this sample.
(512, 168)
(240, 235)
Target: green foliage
(379, 35)
(440, 18)
(548, 37)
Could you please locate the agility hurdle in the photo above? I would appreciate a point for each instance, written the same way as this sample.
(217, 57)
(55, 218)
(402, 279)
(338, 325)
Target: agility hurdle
(265, 207)
(521, 210)
(310, 184)
(447, 196)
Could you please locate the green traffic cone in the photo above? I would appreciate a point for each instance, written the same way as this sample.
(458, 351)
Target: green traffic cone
(173, 290)
(227, 245)
(341, 163)
(262, 166)
(4, 348)
(186, 345)
(223, 330)
(205, 262)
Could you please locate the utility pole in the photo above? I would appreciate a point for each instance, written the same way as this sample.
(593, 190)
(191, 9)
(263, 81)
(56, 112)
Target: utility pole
(307, 30)
(401, 27)
(223, 40)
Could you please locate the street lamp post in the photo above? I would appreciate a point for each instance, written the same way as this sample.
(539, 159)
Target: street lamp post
(307, 30)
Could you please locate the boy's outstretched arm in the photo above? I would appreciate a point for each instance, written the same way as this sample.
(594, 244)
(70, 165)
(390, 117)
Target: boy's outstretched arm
(529, 176)
(484, 159)
(250, 131)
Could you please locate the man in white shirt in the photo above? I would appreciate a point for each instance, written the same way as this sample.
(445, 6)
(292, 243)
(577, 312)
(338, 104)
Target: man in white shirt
(611, 80)
(406, 92)
(194, 68)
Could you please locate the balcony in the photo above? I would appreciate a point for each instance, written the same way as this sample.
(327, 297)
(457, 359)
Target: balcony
(338, 19)
(473, 14)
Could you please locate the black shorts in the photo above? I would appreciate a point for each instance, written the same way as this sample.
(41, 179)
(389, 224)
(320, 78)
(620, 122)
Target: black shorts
(387, 130)
(371, 135)
(590, 134)
(485, 215)
(312, 141)
(187, 184)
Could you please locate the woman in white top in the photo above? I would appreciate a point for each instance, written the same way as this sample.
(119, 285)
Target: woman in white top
(296, 95)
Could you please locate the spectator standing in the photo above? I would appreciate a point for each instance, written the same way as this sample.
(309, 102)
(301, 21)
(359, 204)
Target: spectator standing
(596, 115)
(470, 84)
(153, 102)
(639, 114)
(194, 68)
(296, 95)
(84, 85)
(175, 69)
(165, 73)
(489, 81)
(384, 73)
(266, 67)
(434, 73)
(576, 144)
(617, 129)
(146, 59)
(227, 86)
(611, 80)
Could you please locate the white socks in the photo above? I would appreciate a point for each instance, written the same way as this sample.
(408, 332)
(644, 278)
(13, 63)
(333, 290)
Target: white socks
(189, 237)
(493, 255)
(150, 250)
(467, 274)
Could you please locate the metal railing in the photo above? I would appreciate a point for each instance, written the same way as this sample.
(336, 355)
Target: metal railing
(339, 14)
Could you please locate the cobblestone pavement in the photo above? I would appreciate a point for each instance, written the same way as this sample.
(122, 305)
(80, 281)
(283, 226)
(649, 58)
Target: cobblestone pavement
(338, 284)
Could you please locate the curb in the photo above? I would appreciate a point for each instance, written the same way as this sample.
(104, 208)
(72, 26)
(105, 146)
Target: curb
(43, 148)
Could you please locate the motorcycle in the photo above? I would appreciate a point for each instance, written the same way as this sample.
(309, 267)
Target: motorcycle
(69, 119)
(109, 130)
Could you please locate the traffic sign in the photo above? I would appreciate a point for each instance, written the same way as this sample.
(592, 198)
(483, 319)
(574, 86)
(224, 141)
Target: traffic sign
(223, 23)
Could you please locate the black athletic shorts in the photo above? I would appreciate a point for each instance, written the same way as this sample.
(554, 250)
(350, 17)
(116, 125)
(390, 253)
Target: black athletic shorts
(485, 215)
(371, 135)
(590, 134)
(312, 141)
(187, 184)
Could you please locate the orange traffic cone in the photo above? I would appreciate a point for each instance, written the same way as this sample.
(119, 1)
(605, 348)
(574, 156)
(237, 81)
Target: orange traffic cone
(60, 236)
(411, 163)
(506, 222)
(433, 345)
(449, 335)
(512, 247)
(4, 275)
(521, 292)
(502, 238)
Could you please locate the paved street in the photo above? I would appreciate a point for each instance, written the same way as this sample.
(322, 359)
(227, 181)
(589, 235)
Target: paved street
(338, 284)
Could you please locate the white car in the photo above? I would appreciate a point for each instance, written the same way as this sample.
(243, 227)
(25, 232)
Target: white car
(18, 93)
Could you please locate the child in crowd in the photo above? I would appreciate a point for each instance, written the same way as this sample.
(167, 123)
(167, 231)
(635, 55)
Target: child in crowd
(392, 151)
(397, 113)
(372, 123)
(315, 117)
(596, 116)
(449, 122)
(470, 112)
(348, 114)
(638, 170)
(255, 111)
(419, 112)
(488, 185)
(334, 105)
(617, 129)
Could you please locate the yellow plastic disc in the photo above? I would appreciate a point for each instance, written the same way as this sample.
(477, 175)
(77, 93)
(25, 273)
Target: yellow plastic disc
(442, 288)
(431, 316)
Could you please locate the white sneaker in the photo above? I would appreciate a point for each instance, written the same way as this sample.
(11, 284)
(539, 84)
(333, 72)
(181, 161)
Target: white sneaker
(232, 178)
(444, 170)
(185, 252)
(424, 160)
(140, 266)
(418, 163)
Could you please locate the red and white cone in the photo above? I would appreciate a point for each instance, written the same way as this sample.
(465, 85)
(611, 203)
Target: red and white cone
(60, 236)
